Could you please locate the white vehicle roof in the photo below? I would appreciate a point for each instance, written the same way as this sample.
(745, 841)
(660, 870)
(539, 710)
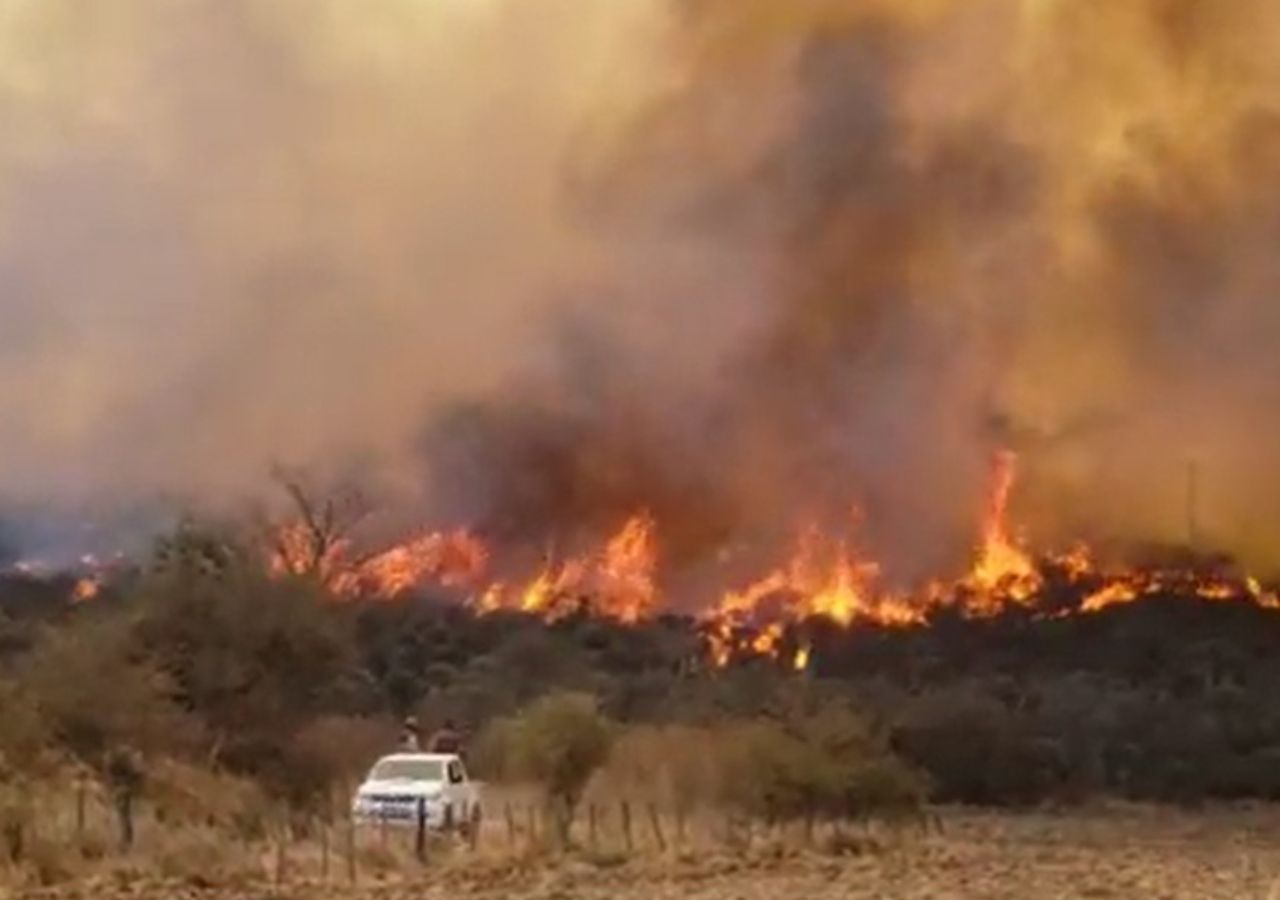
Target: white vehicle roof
(419, 757)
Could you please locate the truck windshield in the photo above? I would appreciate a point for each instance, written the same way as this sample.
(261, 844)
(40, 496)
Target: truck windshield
(408, 770)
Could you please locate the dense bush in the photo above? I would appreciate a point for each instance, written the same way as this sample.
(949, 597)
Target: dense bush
(200, 657)
(829, 764)
(558, 743)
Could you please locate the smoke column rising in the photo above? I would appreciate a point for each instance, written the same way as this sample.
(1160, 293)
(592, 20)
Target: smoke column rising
(740, 260)
(232, 232)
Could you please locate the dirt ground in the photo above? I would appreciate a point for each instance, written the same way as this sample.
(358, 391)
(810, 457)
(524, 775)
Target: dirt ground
(1125, 853)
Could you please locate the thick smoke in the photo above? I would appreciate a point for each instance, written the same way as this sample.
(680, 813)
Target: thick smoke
(234, 232)
(740, 261)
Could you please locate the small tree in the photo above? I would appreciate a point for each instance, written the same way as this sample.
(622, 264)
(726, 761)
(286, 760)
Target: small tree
(558, 742)
(829, 763)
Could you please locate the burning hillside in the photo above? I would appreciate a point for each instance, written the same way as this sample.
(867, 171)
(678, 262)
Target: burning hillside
(825, 577)
(711, 265)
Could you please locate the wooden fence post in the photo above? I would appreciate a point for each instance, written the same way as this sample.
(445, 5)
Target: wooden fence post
(80, 809)
(420, 838)
(592, 826)
(656, 822)
(511, 823)
(124, 812)
(474, 826)
(281, 838)
(324, 851)
(15, 834)
(625, 809)
(351, 849)
(125, 774)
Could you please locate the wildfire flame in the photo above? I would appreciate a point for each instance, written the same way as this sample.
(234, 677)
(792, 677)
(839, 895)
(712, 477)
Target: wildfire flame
(1003, 571)
(823, 578)
(86, 589)
(618, 583)
(92, 575)
(452, 559)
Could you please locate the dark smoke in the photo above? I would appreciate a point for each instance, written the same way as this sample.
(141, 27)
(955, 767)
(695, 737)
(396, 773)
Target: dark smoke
(740, 262)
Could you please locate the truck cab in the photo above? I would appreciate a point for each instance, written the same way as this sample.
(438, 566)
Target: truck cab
(403, 787)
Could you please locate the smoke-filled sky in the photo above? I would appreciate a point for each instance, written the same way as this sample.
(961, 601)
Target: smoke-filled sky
(741, 261)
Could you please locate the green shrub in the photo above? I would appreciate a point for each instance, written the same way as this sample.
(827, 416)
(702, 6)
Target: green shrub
(558, 743)
(829, 763)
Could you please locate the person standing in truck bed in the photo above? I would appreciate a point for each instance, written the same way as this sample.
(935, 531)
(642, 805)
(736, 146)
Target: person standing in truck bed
(410, 736)
(447, 739)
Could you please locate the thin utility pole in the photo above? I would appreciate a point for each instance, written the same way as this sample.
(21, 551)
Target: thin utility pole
(1193, 504)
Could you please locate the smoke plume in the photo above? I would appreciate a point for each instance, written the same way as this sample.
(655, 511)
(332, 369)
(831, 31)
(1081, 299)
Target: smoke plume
(741, 262)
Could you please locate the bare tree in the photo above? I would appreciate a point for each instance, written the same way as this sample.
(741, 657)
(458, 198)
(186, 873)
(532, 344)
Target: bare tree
(323, 521)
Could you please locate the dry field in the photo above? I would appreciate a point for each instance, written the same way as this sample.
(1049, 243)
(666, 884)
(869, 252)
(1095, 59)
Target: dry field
(1126, 853)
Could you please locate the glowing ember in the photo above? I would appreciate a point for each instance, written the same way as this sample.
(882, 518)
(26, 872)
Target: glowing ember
(1111, 595)
(86, 589)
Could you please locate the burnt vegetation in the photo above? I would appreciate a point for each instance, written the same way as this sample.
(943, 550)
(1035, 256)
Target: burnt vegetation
(201, 656)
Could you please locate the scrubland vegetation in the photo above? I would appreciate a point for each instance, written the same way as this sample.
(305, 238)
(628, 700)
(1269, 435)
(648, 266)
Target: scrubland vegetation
(202, 720)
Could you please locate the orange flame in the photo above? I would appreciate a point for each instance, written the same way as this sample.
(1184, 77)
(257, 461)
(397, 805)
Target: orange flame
(627, 572)
(822, 579)
(87, 589)
(452, 559)
(91, 585)
(1113, 594)
(619, 582)
(1003, 569)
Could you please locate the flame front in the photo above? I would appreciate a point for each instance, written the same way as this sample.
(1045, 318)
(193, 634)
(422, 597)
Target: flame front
(452, 559)
(823, 578)
(619, 582)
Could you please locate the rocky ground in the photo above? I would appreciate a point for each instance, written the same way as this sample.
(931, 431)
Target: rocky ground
(1126, 854)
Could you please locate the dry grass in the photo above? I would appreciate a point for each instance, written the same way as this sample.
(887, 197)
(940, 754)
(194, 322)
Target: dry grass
(1120, 852)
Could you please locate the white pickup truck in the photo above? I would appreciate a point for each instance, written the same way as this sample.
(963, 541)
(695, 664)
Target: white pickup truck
(401, 787)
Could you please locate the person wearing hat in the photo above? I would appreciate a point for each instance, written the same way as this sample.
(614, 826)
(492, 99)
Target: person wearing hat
(446, 740)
